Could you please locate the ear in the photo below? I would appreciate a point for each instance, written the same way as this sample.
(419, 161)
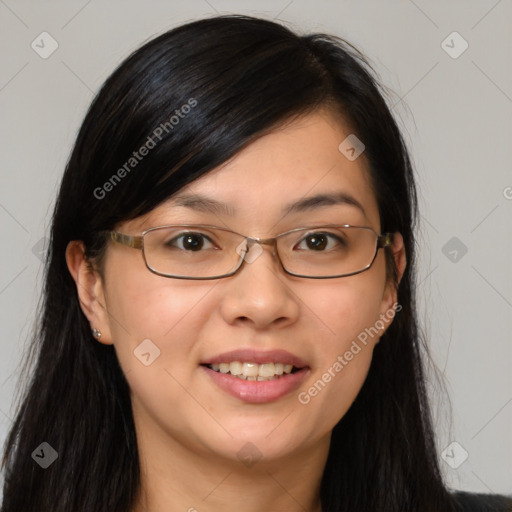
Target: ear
(90, 289)
(389, 298)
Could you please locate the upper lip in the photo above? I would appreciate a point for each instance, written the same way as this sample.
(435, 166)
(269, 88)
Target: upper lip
(257, 356)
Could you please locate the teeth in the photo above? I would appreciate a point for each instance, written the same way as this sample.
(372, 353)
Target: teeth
(250, 370)
(236, 368)
(253, 371)
(267, 370)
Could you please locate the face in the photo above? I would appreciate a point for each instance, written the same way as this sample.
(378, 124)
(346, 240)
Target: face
(259, 315)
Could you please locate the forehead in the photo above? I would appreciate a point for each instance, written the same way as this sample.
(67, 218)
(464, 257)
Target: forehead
(295, 164)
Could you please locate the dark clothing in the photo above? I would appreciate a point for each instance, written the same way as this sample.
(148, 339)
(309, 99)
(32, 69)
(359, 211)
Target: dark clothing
(472, 502)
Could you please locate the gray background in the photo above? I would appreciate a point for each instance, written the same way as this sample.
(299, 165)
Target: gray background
(456, 117)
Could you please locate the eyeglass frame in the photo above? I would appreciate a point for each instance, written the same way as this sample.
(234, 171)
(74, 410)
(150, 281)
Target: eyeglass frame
(383, 240)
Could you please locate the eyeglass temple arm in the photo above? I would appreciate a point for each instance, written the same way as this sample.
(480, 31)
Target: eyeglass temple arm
(135, 242)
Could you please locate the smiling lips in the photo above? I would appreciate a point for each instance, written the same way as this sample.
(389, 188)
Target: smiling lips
(257, 377)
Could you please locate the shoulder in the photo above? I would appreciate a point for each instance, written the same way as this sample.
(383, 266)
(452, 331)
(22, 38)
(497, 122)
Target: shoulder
(473, 502)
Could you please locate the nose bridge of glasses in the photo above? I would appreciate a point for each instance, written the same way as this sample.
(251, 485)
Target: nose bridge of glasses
(261, 241)
(251, 247)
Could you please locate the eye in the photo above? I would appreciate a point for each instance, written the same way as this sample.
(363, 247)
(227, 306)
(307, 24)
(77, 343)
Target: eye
(191, 242)
(320, 242)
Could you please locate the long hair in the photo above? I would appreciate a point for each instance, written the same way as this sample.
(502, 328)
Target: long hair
(202, 92)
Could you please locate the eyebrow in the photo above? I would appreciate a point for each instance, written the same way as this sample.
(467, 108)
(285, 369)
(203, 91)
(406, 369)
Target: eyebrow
(322, 200)
(209, 205)
(203, 204)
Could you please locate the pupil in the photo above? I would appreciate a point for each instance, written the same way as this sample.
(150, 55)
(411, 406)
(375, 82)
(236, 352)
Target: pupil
(317, 242)
(193, 242)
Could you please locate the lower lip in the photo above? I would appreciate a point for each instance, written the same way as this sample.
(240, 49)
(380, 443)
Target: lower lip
(257, 392)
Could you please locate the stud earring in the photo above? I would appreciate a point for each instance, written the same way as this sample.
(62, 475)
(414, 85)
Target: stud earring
(96, 333)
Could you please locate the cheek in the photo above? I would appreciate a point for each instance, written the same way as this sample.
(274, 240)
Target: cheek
(348, 313)
(170, 314)
(143, 306)
(347, 307)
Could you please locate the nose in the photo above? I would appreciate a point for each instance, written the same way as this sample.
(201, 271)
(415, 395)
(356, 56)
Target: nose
(260, 294)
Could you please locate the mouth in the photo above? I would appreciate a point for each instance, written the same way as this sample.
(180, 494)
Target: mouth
(256, 377)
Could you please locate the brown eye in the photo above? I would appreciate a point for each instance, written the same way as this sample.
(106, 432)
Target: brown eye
(193, 242)
(190, 242)
(316, 242)
(319, 242)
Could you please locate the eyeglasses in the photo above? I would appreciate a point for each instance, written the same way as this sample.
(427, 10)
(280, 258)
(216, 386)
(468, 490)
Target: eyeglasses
(211, 252)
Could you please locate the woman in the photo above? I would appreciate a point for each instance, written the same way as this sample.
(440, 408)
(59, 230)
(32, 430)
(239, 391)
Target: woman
(229, 318)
